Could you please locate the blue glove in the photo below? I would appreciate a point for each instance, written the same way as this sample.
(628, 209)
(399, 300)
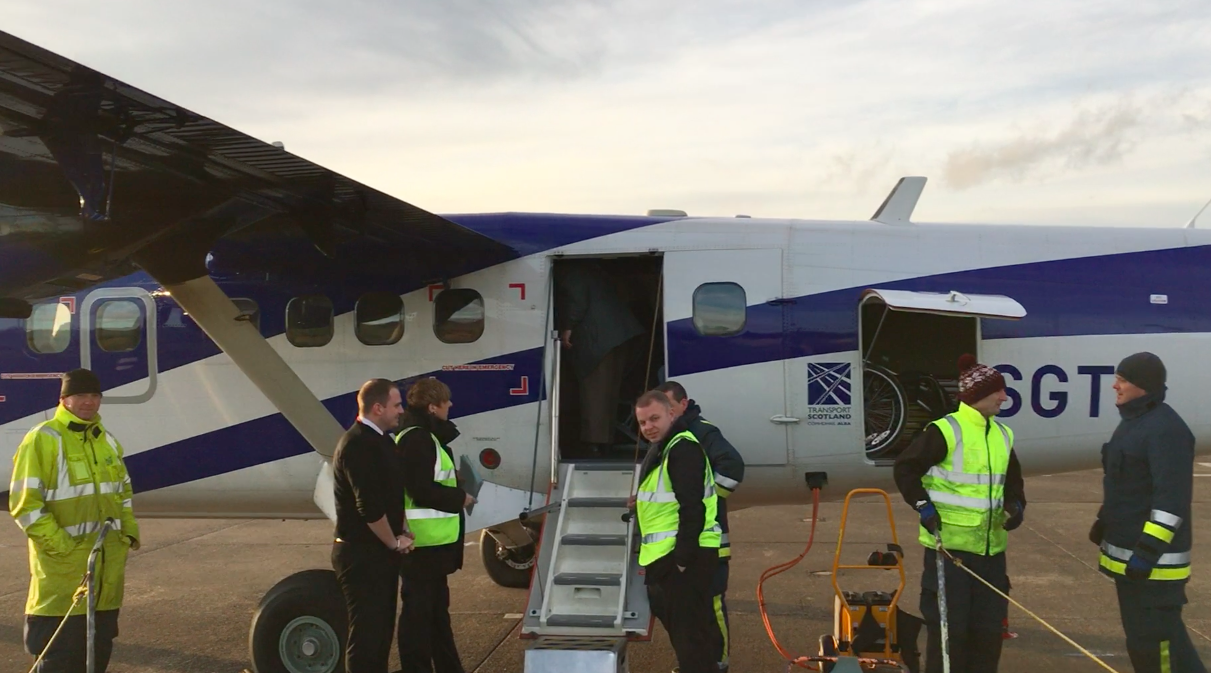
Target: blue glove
(929, 516)
(1138, 568)
(1016, 512)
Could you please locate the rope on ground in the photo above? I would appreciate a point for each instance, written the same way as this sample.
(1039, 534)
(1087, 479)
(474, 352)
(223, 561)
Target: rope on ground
(1037, 618)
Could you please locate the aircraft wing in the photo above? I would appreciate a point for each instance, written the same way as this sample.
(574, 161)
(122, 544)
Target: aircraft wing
(97, 176)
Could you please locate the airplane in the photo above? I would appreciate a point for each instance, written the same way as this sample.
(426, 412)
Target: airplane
(233, 296)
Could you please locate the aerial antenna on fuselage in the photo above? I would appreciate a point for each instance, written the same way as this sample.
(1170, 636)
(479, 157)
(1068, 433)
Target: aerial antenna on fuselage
(898, 206)
(1190, 224)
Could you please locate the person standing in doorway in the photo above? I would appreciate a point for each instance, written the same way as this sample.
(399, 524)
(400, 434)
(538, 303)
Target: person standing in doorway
(596, 329)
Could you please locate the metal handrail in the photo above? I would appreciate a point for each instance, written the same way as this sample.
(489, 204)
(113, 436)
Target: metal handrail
(556, 379)
(92, 595)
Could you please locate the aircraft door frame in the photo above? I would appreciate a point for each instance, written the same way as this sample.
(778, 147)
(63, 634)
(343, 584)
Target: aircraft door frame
(149, 340)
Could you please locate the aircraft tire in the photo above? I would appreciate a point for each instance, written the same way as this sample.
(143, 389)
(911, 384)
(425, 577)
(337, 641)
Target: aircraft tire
(300, 626)
(511, 571)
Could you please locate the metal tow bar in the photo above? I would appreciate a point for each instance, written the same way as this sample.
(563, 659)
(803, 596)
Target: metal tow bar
(941, 558)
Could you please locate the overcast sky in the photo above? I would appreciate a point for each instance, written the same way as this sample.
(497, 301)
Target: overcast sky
(1031, 111)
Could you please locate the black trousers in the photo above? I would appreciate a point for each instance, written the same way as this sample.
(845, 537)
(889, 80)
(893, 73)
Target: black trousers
(426, 639)
(683, 603)
(719, 609)
(69, 652)
(368, 575)
(1157, 639)
(975, 615)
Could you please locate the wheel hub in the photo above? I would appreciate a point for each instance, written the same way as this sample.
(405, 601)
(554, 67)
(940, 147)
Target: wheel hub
(513, 559)
(309, 645)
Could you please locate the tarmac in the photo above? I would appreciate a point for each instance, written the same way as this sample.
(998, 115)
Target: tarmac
(192, 587)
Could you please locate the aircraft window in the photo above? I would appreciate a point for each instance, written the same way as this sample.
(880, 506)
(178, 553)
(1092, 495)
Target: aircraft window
(250, 309)
(119, 326)
(309, 321)
(380, 319)
(458, 316)
(719, 309)
(48, 328)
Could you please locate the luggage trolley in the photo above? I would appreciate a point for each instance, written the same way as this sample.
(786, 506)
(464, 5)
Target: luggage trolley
(870, 625)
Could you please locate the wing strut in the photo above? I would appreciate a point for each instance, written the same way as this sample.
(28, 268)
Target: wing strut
(215, 313)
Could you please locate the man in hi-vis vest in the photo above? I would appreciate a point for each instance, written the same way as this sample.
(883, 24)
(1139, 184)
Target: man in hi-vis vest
(68, 478)
(963, 478)
(675, 507)
(433, 505)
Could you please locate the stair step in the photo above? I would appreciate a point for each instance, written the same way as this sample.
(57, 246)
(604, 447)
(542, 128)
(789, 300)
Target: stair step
(621, 468)
(620, 503)
(584, 621)
(588, 580)
(590, 540)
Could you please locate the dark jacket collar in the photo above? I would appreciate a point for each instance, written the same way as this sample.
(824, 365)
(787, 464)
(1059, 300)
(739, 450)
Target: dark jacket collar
(692, 412)
(1142, 405)
(445, 431)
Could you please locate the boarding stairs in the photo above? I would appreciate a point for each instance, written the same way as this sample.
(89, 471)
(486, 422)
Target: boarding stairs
(587, 596)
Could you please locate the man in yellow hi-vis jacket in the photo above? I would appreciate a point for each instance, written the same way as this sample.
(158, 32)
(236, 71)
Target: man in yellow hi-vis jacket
(68, 478)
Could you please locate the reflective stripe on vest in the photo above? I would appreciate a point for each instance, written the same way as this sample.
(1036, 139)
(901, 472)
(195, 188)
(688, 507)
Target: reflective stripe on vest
(432, 527)
(968, 486)
(659, 513)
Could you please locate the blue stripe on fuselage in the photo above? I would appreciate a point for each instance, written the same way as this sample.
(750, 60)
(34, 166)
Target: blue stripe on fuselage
(1108, 294)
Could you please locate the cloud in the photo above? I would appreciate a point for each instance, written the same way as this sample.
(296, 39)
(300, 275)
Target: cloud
(1032, 110)
(1092, 138)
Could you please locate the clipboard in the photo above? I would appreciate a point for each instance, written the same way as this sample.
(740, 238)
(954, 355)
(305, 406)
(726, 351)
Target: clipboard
(469, 481)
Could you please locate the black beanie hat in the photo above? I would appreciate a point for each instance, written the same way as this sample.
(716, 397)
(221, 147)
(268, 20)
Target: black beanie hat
(80, 382)
(1144, 370)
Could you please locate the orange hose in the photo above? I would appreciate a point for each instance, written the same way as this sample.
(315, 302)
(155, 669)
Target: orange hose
(779, 569)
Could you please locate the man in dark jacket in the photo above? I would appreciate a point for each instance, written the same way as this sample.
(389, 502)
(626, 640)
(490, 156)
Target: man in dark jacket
(679, 534)
(596, 328)
(728, 468)
(371, 532)
(434, 504)
(1143, 526)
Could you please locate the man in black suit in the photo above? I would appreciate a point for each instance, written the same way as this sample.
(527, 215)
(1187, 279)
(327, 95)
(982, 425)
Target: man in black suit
(371, 532)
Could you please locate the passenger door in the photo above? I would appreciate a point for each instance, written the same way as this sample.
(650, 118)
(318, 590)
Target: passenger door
(723, 342)
(118, 342)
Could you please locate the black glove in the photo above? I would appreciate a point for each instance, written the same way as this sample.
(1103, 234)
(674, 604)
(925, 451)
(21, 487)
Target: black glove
(1016, 512)
(1095, 532)
(929, 516)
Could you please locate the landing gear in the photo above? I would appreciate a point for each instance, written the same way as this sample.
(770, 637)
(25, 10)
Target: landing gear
(507, 567)
(300, 626)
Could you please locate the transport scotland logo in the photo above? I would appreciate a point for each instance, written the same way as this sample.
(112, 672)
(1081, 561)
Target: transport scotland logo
(829, 393)
(828, 384)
